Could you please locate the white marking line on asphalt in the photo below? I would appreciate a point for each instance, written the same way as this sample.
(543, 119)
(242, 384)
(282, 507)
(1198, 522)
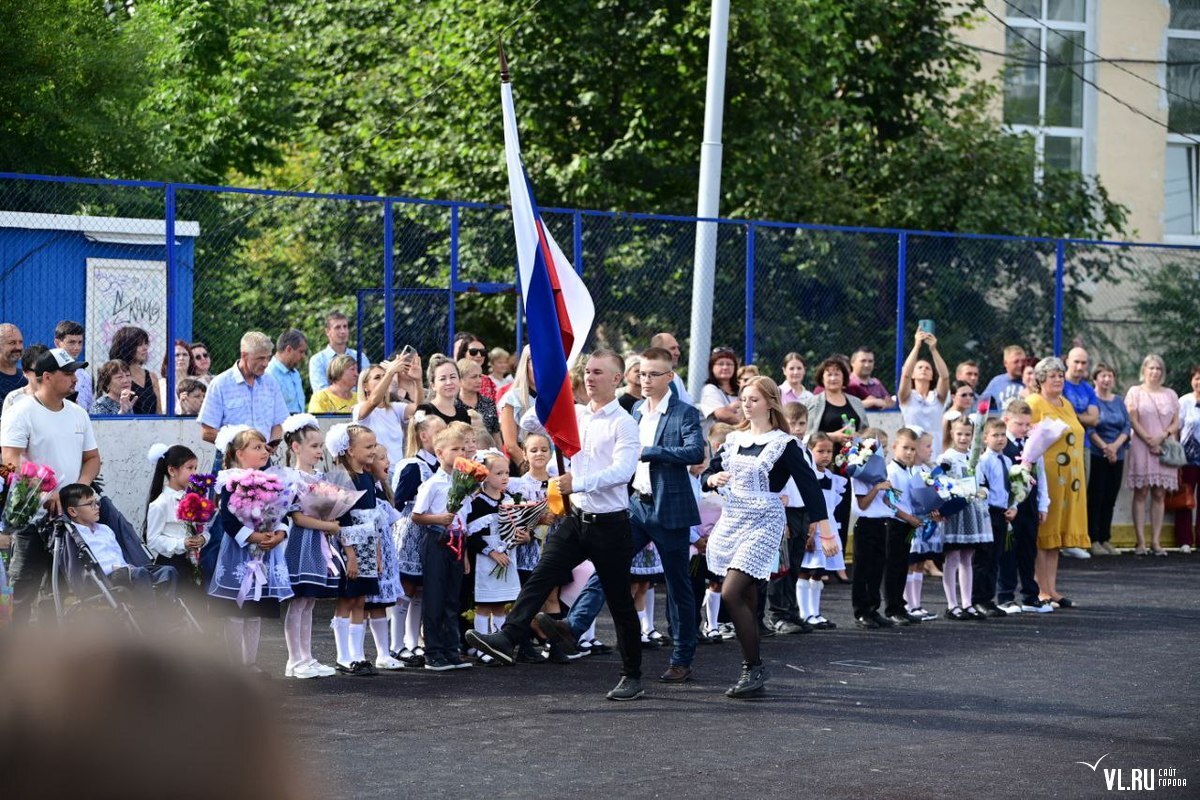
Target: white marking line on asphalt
(793, 666)
(857, 665)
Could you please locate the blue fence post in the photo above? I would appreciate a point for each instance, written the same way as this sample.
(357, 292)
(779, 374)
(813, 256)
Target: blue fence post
(172, 276)
(577, 239)
(749, 344)
(389, 278)
(453, 277)
(1060, 258)
(359, 298)
(901, 299)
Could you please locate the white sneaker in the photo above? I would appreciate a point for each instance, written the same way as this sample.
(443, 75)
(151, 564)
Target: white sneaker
(321, 669)
(1185, 548)
(1075, 552)
(387, 662)
(727, 631)
(305, 671)
(1011, 607)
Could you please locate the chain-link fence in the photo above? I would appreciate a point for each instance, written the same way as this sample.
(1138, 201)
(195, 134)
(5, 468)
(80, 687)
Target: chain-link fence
(415, 272)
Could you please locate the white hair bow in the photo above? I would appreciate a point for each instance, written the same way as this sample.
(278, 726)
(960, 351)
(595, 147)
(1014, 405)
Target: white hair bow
(156, 452)
(337, 441)
(297, 421)
(227, 434)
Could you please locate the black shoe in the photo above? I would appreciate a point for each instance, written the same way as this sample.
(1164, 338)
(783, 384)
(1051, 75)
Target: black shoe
(750, 682)
(956, 613)
(765, 632)
(557, 656)
(458, 662)
(599, 648)
(789, 627)
(882, 621)
(410, 660)
(497, 645)
(557, 632)
(527, 653)
(438, 664)
(866, 622)
(626, 689)
(974, 614)
(368, 668)
(993, 610)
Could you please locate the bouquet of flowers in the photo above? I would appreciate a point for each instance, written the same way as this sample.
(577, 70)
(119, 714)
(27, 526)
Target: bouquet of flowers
(1020, 482)
(202, 483)
(259, 501)
(465, 480)
(327, 499)
(928, 495)
(195, 511)
(26, 487)
(860, 458)
(977, 419)
(952, 493)
(1040, 438)
(515, 517)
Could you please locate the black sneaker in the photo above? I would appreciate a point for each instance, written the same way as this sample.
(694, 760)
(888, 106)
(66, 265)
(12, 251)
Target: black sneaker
(882, 621)
(438, 664)
(750, 682)
(765, 632)
(626, 689)
(993, 610)
(866, 622)
(558, 632)
(368, 667)
(557, 656)
(527, 653)
(458, 662)
(497, 645)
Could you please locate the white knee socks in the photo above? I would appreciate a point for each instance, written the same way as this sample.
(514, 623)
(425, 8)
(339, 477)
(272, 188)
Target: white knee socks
(498, 621)
(814, 596)
(966, 577)
(379, 634)
(358, 635)
(649, 610)
(341, 636)
(949, 576)
(397, 615)
(412, 624)
(802, 598)
(299, 647)
(644, 620)
(913, 586)
(234, 628)
(712, 605)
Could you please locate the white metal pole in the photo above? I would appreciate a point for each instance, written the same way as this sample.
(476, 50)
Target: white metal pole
(708, 202)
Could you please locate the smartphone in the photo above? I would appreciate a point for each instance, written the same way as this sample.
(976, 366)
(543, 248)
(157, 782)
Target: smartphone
(406, 354)
(925, 326)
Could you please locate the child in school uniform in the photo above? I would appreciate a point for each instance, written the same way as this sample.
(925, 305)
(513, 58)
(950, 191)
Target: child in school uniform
(814, 563)
(496, 580)
(993, 476)
(168, 539)
(713, 629)
(246, 449)
(379, 604)
(963, 532)
(443, 562)
(353, 449)
(418, 466)
(308, 569)
(782, 611)
(1017, 563)
(927, 540)
(900, 527)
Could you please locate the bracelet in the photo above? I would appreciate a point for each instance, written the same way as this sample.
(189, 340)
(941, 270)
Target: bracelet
(823, 536)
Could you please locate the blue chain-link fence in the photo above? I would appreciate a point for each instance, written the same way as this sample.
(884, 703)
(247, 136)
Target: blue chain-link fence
(408, 271)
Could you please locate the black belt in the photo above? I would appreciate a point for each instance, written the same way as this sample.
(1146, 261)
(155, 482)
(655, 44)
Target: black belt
(588, 518)
(648, 499)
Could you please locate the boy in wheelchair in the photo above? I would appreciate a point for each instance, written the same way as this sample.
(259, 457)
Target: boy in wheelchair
(147, 583)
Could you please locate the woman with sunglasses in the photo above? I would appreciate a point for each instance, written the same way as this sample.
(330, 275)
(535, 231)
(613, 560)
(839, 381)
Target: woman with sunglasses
(201, 363)
(467, 345)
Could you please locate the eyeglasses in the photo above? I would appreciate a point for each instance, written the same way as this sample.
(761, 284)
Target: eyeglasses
(92, 504)
(477, 351)
(200, 355)
(652, 375)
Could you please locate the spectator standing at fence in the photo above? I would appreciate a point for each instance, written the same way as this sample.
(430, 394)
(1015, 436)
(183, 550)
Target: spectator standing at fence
(337, 333)
(1007, 385)
(377, 410)
(29, 357)
(1109, 438)
(513, 405)
(189, 396)
(245, 395)
(501, 363)
(202, 359)
(1027, 378)
(12, 344)
(341, 394)
(922, 396)
(792, 390)
(68, 335)
(291, 348)
(1187, 520)
(719, 399)
(471, 394)
(668, 342)
(132, 345)
(53, 431)
(116, 397)
(467, 345)
(968, 372)
(1154, 415)
(629, 394)
(1082, 397)
(444, 382)
(184, 367)
(865, 386)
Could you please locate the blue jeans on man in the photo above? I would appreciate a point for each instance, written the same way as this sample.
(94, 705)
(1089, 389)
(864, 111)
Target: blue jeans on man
(673, 550)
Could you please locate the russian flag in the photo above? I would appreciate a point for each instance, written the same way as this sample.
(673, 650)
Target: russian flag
(558, 308)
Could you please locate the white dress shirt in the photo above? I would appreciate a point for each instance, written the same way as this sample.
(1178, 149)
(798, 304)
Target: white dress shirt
(647, 428)
(103, 543)
(607, 458)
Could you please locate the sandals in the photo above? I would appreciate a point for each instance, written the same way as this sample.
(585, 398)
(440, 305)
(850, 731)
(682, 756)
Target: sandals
(956, 613)
(1159, 552)
(1141, 551)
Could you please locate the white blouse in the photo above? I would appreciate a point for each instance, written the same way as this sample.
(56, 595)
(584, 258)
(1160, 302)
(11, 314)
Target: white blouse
(165, 534)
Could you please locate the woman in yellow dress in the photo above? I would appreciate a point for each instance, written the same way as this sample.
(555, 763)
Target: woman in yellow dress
(340, 396)
(1066, 522)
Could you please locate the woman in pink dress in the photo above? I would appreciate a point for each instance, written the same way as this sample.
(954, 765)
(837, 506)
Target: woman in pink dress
(1154, 412)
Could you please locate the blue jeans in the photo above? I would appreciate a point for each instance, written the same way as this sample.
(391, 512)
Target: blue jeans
(672, 545)
(153, 584)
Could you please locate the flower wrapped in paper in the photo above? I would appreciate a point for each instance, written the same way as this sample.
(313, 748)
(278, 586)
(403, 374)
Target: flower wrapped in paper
(328, 499)
(1020, 482)
(517, 517)
(195, 511)
(27, 488)
(1041, 438)
(259, 500)
(861, 459)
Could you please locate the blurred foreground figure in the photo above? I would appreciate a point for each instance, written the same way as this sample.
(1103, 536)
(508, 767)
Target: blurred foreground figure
(95, 714)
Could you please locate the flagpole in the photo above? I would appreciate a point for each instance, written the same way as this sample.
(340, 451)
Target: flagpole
(708, 201)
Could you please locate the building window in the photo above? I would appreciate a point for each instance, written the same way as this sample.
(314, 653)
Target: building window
(1043, 85)
(1181, 209)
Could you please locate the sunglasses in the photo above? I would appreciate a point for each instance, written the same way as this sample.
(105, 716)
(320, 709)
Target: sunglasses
(200, 355)
(477, 351)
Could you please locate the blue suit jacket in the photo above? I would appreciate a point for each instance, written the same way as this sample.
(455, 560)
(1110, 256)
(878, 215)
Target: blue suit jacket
(678, 444)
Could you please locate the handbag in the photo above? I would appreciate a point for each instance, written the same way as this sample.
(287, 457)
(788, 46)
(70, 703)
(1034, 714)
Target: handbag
(1172, 454)
(1191, 449)
(1182, 499)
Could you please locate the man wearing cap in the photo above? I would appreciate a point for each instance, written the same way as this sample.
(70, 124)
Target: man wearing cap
(49, 430)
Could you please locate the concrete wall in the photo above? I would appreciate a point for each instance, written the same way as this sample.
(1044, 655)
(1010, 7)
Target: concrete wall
(126, 472)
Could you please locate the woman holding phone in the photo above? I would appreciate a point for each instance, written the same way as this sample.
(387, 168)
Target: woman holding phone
(921, 400)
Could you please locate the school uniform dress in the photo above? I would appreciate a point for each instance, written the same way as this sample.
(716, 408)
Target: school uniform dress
(483, 522)
(646, 564)
(751, 527)
(386, 520)
(234, 562)
(971, 527)
(359, 532)
(409, 538)
(308, 569)
(833, 486)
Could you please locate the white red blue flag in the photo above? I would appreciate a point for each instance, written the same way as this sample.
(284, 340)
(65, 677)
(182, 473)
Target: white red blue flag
(558, 308)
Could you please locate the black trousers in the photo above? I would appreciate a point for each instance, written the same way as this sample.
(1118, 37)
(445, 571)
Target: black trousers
(895, 571)
(870, 557)
(443, 575)
(985, 565)
(608, 544)
(1103, 486)
(30, 565)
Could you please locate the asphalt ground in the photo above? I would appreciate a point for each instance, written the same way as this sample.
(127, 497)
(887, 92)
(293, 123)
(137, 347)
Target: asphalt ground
(998, 709)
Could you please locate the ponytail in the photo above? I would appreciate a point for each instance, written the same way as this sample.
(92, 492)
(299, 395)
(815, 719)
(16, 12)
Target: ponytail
(172, 457)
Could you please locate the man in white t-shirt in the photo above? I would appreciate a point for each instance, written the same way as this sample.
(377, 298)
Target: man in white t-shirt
(48, 429)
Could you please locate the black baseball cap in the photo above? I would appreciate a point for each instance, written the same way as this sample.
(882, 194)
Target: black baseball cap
(57, 359)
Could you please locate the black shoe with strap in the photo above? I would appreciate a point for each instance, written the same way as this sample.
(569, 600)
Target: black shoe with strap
(497, 645)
